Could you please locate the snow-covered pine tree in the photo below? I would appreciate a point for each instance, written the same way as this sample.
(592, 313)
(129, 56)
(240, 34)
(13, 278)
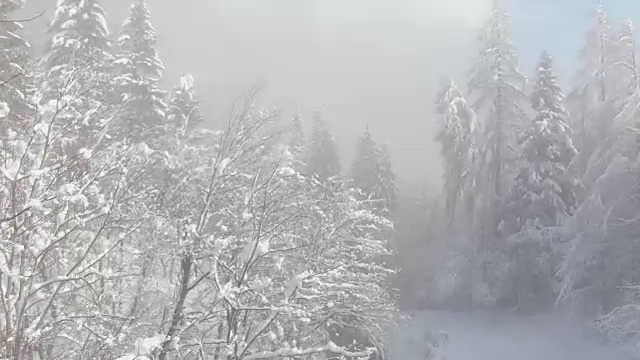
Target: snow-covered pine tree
(543, 193)
(496, 88)
(322, 158)
(139, 70)
(184, 107)
(457, 129)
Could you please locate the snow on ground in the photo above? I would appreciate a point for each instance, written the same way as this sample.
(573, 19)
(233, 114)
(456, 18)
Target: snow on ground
(483, 336)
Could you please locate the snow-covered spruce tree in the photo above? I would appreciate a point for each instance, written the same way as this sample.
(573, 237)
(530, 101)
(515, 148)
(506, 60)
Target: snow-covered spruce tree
(139, 71)
(74, 71)
(184, 107)
(322, 157)
(496, 89)
(373, 175)
(457, 129)
(543, 193)
(78, 51)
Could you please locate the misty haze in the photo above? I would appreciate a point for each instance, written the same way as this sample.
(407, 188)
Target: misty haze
(319, 179)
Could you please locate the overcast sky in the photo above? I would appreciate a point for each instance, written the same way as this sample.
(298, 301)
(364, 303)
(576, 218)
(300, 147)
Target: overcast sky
(373, 62)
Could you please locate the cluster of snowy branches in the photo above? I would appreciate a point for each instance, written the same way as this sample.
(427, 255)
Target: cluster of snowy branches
(541, 190)
(127, 231)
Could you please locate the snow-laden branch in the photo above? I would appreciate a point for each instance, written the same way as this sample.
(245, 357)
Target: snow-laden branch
(294, 352)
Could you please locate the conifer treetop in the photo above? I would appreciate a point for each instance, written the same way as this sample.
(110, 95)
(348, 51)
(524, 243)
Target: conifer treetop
(80, 33)
(138, 39)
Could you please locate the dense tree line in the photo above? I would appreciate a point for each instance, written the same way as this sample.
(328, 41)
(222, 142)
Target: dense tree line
(129, 231)
(541, 189)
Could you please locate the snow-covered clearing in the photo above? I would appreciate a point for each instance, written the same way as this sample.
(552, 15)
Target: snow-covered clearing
(484, 336)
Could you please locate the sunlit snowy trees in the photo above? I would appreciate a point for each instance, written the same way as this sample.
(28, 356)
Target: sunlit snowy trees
(263, 263)
(62, 219)
(564, 187)
(128, 231)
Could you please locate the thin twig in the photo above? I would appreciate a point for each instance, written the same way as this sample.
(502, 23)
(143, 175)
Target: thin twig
(10, 79)
(24, 20)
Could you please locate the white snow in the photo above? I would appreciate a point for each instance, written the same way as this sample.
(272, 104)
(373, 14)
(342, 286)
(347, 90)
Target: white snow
(286, 171)
(223, 165)
(4, 109)
(85, 153)
(294, 284)
(186, 82)
(146, 345)
(485, 336)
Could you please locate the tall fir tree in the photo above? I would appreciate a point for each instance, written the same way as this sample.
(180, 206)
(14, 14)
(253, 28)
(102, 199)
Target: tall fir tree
(184, 107)
(139, 70)
(456, 135)
(322, 158)
(544, 193)
(496, 87)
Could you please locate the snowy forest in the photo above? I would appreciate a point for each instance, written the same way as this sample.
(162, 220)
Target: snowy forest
(129, 229)
(540, 206)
